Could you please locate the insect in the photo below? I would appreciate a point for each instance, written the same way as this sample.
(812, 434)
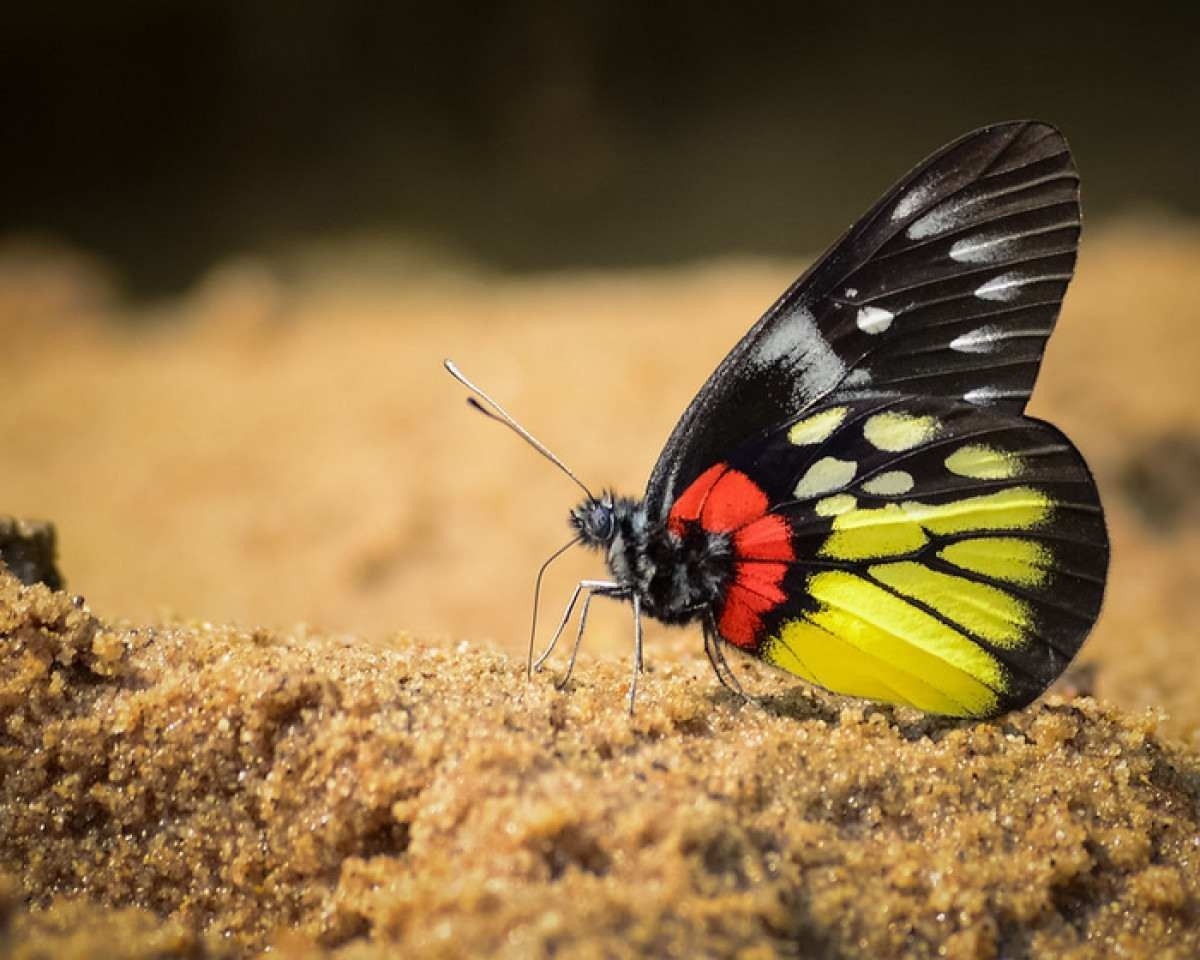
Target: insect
(855, 495)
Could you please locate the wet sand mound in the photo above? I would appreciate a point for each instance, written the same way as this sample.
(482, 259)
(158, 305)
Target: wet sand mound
(199, 790)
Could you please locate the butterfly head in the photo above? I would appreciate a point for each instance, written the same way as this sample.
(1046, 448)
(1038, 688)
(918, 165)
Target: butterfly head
(595, 520)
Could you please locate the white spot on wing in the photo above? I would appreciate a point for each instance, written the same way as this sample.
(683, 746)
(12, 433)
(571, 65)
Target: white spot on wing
(991, 337)
(895, 430)
(982, 249)
(939, 220)
(959, 210)
(1007, 286)
(989, 247)
(818, 427)
(890, 484)
(796, 347)
(857, 384)
(912, 201)
(837, 504)
(983, 340)
(874, 319)
(983, 395)
(826, 476)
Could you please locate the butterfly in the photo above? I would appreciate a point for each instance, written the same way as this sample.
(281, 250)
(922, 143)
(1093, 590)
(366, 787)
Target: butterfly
(855, 496)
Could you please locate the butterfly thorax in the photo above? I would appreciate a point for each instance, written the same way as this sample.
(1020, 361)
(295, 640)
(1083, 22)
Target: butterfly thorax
(677, 575)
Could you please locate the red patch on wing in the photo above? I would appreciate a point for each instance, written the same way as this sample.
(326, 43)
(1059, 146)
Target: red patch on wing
(687, 508)
(743, 608)
(767, 538)
(724, 500)
(734, 501)
(741, 618)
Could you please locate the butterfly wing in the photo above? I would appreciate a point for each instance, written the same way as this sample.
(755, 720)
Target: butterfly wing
(947, 287)
(916, 550)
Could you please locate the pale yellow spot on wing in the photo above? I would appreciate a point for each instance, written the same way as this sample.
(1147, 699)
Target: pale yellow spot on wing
(825, 476)
(867, 533)
(832, 506)
(984, 610)
(900, 528)
(1016, 508)
(890, 484)
(1002, 558)
(894, 432)
(818, 427)
(982, 462)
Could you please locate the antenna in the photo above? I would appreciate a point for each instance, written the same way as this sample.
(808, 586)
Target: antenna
(500, 415)
(537, 594)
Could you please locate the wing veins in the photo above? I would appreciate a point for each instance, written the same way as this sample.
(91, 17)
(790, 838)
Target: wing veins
(884, 629)
(1050, 535)
(979, 272)
(992, 164)
(986, 317)
(943, 347)
(936, 444)
(990, 648)
(995, 194)
(1004, 148)
(1044, 600)
(1056, 570)
(938, 301)
(869, 222)
(889, 667)
(954, 232)
(999, 363)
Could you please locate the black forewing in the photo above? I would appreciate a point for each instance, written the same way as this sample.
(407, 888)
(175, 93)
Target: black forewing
(948, 286)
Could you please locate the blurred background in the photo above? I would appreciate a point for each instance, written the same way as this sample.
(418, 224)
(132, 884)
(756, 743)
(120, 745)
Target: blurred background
(236, 241)
(536, 135)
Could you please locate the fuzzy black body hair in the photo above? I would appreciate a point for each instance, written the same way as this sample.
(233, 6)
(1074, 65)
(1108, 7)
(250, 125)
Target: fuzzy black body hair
(677, 578)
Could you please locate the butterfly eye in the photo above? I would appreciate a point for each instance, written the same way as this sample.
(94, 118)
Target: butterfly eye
(600, 521)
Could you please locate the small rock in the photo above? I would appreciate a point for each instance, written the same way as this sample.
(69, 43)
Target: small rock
(27, 548)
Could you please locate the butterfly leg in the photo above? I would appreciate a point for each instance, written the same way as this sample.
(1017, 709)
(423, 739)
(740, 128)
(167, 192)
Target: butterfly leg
(710, 652)
(637, 650)
(587, 602)
(639, 662)
(724, 672)
(562, 625)
(590, 586)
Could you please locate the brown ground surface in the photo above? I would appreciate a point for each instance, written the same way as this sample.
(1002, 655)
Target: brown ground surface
(405, 799)
(281, 447)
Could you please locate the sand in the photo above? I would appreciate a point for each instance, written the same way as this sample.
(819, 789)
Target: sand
(409, 799)
(257, 486)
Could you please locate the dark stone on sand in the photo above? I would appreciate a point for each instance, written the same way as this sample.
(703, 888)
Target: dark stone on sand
(28, 548)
